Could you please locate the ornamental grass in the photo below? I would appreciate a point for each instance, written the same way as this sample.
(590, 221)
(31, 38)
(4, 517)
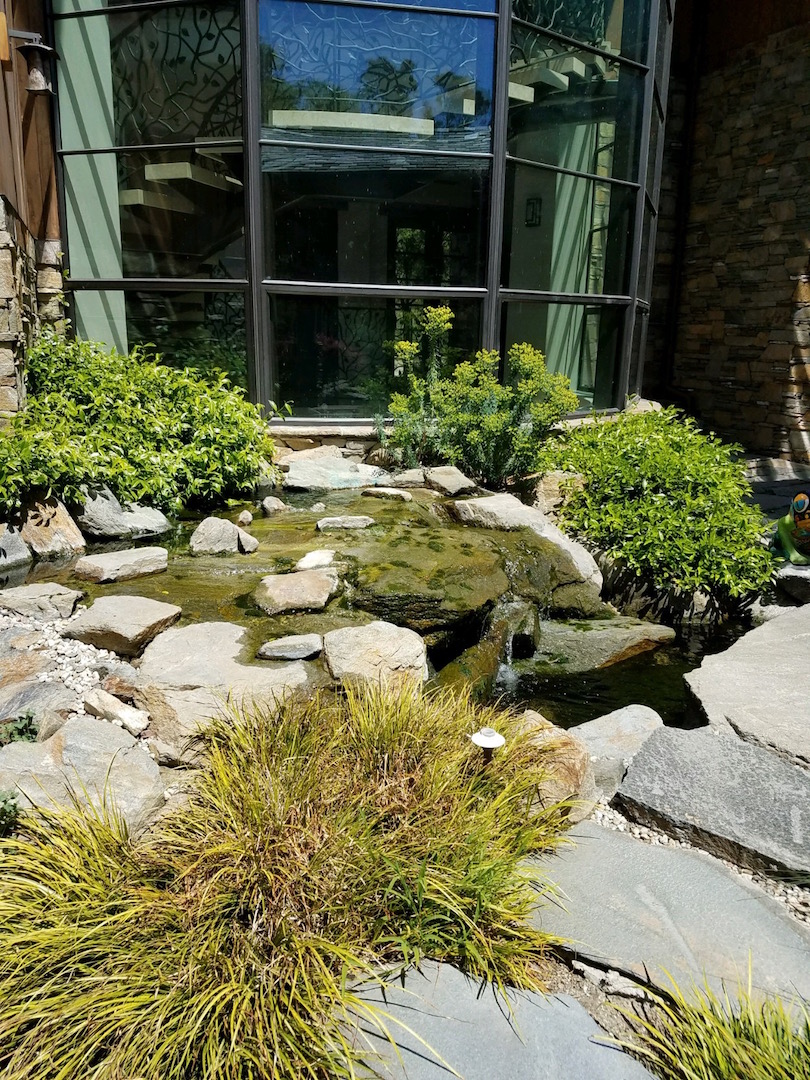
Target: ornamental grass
(346, 835)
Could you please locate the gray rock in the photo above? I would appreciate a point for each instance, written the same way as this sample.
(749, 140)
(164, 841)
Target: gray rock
(48, 723)
(397, 494)
(318, 507)
(570, 775)
(50, 531)
(647, 910)
(574, 578)
(325, 468)
(273, 505)
(35, 696)
(245, 519)
(98, 702)
(292, 647)
(553, 487)
(302, 590)
(793, 580)
(378, 651)
(449, 480)
(761, 685)
(40, 601)
(103, 516)
(14, 552)
(614, 740)
(348, 521)
(316, 560)
(176, 719)
(444, 1023)
(736, 800)
(95, 761)
(409, 478)
(587, 644)
(122, 565)
(122, 624)
(217, 536)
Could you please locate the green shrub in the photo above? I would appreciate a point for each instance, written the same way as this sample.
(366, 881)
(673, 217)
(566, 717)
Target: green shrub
(341, 834)
(667, 501)
(151, 433)
(491, 430)
(21, 729)
(9, 812)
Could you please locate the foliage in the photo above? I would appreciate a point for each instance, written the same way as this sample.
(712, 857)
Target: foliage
(490, 429)
(667, 501)
(709, 1038)
(22, 729)
(9, 812)
(208, 358)
(149, 432)
(320, 842)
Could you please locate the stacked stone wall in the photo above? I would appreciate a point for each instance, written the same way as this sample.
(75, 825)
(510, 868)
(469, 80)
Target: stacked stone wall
(743, 342)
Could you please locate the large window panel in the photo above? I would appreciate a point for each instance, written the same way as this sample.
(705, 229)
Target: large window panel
(581, 341)
(374, 76)
(172, 74)
(389, 219)
(572, 108)
(166, 213)
(333, 354)
(616, 26)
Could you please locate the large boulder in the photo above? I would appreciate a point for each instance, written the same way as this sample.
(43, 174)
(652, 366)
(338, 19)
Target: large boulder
(761, 686)
(37, 697)
(50, 531)
(301, 590)
(122, 624)
(569, 773)
(91, 760)
(568, 573)
(324, 468)
(378, 652)
(122, 565)
(45, 600)
(103, 516)
(14, 552)
(218, 536)
(614, 740)
(448, 480)
(566, 648)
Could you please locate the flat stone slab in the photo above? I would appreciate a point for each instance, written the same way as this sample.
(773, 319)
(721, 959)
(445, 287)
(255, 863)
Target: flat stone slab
(378, 651)
(40, 601)
(292, 647)
(325, 469)
(348, 521)
(793, 580)
(450, 481)
(14, 552)
(613, 741)
(301, 590)
(316, 560)
(442, 1020)
(98, 702)
(49, 530)
(122, 624)
(218, 536)
(35, 696)
(122, 565)
(647, 910)
(761, 685)
(587, 644)
(414, 478)
(396, 494)
(736, 800)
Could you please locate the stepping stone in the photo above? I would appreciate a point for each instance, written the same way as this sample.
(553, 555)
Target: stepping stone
(614, 740)
(588, 644)
(450, 481)
(325, 469)
(302, 590)
(729, 797)
(387, 493)
(793, 580)
(40, 601)
(379, 651)
(292, 647)
(761, 685)
(647, 910)
(122, 565)
(122, 624)
(98, 702)
(50, 531)
(316, 560)
(272, 505)
(103, 516)
(14, 552)
(409, 478)
(358, 521)
(442, 1020)
(218, 536)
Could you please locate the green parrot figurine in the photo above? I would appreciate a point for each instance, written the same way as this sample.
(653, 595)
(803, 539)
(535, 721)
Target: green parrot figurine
(793, 531)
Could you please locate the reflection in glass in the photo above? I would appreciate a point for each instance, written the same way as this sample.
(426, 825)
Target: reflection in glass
(564, 233)
(571, 108)
(582, 341)
(333, 354)
(336, 73)
(168, 75)
(616, 26)
(167, 213)
(371, 217)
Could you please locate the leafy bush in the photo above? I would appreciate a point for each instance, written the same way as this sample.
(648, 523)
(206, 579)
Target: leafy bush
(492, 430)
(149, 432)
(21, 729)
(341, 834)
(9, 812)
(666, 500)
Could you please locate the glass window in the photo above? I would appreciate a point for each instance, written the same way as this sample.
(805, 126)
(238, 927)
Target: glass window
(336, 73)
(579, 340)
(564, 233)
(333, 354)
(165, 213)
(374, 217)
(168, 75)
(571, 108)
(202, 330)
(618, 26)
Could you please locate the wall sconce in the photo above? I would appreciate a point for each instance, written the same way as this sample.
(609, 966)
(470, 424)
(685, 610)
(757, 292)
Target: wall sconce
(38, 57)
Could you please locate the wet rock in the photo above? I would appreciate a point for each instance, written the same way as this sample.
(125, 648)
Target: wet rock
(302, 590)
(325, 468)
(613, 741)
(569, 647)
(316, 560)
(50, 531)
(14, 552)
(379, 652)
(272, 505)
(217, 536)
(122, 565)
(356, 521)
(40, 601)
(793, 580)
(98, 702)
(122, 624)
(570, 774)
(103, 516)
(292, 647)
(397, 494)
(245, 519)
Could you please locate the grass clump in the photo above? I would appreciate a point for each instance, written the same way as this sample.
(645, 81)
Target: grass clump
(149, 432)
(667, 501)
(345, 834)
(9, 812)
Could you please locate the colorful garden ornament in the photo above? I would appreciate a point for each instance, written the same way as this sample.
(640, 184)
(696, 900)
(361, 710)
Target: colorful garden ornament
(793, 531)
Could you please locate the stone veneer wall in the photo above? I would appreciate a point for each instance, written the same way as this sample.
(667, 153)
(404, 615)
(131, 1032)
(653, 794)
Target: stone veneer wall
(30, 297)
(743, 346)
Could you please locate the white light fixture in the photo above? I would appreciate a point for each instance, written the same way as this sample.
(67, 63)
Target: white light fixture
(488, 739)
